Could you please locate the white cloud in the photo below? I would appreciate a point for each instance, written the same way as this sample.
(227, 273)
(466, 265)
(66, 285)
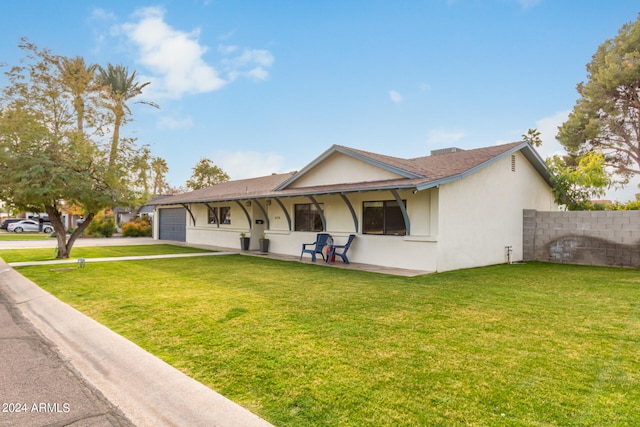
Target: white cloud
(174, 60)
(100, 21)
(174, 57)
(248, 164)
(395, 96)
(442, 136)
(250, 63)
(227, 49)
(99, 14)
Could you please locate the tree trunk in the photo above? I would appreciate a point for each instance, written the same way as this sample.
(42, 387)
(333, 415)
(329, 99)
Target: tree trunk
(64, 245)
(115, 140)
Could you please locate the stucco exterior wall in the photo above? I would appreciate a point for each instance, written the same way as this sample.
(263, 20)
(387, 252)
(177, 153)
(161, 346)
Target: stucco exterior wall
(464, 223)
(339, 169)
(417, 251)
(482, 214)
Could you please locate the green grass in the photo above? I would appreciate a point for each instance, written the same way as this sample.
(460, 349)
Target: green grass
(306, 345)
(48, 254)
(4, 235)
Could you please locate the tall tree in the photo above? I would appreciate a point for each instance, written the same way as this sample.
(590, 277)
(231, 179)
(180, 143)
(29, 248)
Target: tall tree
(120, 87)
(606, 117)
(79, 80)
(159, 170)
(48, 160)
(206, 174)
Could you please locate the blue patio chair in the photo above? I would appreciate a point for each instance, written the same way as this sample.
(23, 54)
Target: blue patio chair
(315, 247)
(343, 254)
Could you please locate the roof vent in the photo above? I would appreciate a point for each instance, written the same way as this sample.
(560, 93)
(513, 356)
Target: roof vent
(445, 151)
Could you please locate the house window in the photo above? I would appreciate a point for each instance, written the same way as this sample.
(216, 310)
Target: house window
(307, 217)
(213, 216)
(383, 217)
(225, 215)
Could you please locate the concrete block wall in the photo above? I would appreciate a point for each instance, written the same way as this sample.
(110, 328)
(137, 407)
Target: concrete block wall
(608, 238)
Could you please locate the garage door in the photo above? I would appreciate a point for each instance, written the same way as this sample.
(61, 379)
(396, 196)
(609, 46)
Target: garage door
(173, 224)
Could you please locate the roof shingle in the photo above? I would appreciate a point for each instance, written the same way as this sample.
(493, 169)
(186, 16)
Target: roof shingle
(425, 172)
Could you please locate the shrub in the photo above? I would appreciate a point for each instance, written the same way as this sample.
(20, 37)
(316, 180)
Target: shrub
(101, 226)
(137, 227)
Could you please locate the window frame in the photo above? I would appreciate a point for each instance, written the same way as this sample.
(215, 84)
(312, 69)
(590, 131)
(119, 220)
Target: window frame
(313, 218)
(212, 215)
(225, 211)
(384, 225)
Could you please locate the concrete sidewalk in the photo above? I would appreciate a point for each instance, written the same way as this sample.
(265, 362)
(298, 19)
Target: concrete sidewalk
(80, 373)
(115, 259)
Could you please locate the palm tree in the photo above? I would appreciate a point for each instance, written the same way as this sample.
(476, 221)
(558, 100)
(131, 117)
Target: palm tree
(119, 87)
(79, 79)
(159, 168)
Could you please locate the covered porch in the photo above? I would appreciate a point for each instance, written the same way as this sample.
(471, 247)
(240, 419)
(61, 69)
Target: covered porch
(358, 266)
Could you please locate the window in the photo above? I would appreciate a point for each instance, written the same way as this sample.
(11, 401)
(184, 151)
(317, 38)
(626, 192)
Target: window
(225, 215)
(383, 217)
(213, 216)
(307, 218)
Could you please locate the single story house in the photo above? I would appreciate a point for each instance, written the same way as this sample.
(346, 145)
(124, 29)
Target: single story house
(452, 209)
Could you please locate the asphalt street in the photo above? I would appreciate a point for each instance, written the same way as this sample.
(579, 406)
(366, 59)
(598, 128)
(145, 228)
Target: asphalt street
(38, 387)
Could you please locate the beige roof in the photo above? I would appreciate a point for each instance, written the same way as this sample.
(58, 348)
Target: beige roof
(419, 173)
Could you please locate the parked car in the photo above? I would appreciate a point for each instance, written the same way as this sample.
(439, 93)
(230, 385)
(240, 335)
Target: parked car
(7, 221)
(29, 225)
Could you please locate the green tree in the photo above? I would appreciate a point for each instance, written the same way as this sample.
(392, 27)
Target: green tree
(606, 117)
(159, 171)
(576, 183)
(206, 174)
(119, 88)
(79, 79)
(47, 157)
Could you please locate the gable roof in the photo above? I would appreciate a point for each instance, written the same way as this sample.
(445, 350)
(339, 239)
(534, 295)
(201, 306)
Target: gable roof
(420, 173)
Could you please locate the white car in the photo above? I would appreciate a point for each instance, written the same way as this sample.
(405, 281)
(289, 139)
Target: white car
(29, 225)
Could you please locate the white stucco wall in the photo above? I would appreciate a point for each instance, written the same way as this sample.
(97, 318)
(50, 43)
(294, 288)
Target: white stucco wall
(339, 169)
(466, 223)
(417, 251)
(482, 214)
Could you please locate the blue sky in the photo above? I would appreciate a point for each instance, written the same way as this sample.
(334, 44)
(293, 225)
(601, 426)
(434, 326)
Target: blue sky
(266, 86)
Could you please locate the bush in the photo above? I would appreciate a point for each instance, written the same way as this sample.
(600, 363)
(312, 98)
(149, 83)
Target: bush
(101, 226)
(137, 227)
(629, 206)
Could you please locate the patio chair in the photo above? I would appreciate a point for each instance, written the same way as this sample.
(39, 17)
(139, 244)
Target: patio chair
(344, 248)
(315, 247)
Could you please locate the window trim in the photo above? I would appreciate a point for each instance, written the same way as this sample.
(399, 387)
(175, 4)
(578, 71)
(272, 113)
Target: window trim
(212, 215)
(384, 218)
(311, 207)
(227, 215)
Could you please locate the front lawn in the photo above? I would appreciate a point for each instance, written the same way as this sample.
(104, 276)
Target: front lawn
(5, 235)
(307, 345)
(48, 254)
